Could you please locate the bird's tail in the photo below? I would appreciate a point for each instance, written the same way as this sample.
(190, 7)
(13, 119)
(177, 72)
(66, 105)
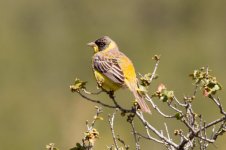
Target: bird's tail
(139, 98)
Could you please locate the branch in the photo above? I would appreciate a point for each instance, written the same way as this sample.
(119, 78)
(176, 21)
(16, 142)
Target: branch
(220, 131)
(168, 135)
(217, 102)
(136, 138)
(146, 124)
(214, 122)
(111, 122)
(157, 58)
(156, 107)
(197, 129)
(119, 107)
(178, 102)
(96, 101)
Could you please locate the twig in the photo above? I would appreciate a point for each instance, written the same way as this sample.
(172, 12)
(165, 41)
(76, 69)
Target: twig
(206, 139)
(188, 125)
(154, 71)
(196, 89)
(178, 102)
(217, 102)
(145, 123)
(156, 107)
(183, 136)
(167, 132)
(99, 110)
(220, 131)
(200, 127)
(149, 137)
(205, 136)
(91, 93)
(213, 132)
(105, 105)
(174, 108)
(136, 138)
(119, 107)
(96, 101)
(122, 142)
(191, 115)
(111, 122)
(214, 122)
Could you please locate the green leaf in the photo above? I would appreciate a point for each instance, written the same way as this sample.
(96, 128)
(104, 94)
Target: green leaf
(178, 116)
(170, 94)
(78, 84)
(164, 98)
(209, 83)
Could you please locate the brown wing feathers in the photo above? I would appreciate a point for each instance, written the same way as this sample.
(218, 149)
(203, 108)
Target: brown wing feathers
(110, 68)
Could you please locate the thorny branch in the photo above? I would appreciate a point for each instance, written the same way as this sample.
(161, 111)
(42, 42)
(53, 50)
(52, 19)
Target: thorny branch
(184, 112)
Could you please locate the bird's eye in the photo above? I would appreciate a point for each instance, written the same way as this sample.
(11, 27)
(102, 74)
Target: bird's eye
(101, 44)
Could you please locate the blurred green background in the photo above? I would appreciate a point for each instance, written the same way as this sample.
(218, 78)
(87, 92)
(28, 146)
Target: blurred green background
(43, 49)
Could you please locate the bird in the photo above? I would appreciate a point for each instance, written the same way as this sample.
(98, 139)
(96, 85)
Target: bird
(114, 70)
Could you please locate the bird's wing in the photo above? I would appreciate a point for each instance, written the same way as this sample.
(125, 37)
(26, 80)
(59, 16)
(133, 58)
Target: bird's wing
(109, 67)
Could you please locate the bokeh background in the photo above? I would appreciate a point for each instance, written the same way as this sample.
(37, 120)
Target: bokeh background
(43, 49)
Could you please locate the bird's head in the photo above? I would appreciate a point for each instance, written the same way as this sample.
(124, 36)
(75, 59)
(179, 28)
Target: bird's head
(102, 44)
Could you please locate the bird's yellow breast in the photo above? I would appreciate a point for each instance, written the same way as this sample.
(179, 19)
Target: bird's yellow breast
(106, 83)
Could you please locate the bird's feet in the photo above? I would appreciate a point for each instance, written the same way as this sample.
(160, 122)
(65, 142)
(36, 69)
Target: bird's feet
(111, 94)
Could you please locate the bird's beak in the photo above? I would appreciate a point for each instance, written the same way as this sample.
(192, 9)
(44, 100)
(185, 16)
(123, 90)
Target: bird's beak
(91, 44)
(94, 46)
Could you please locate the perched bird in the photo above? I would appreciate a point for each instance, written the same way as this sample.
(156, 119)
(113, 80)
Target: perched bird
(113, 69)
